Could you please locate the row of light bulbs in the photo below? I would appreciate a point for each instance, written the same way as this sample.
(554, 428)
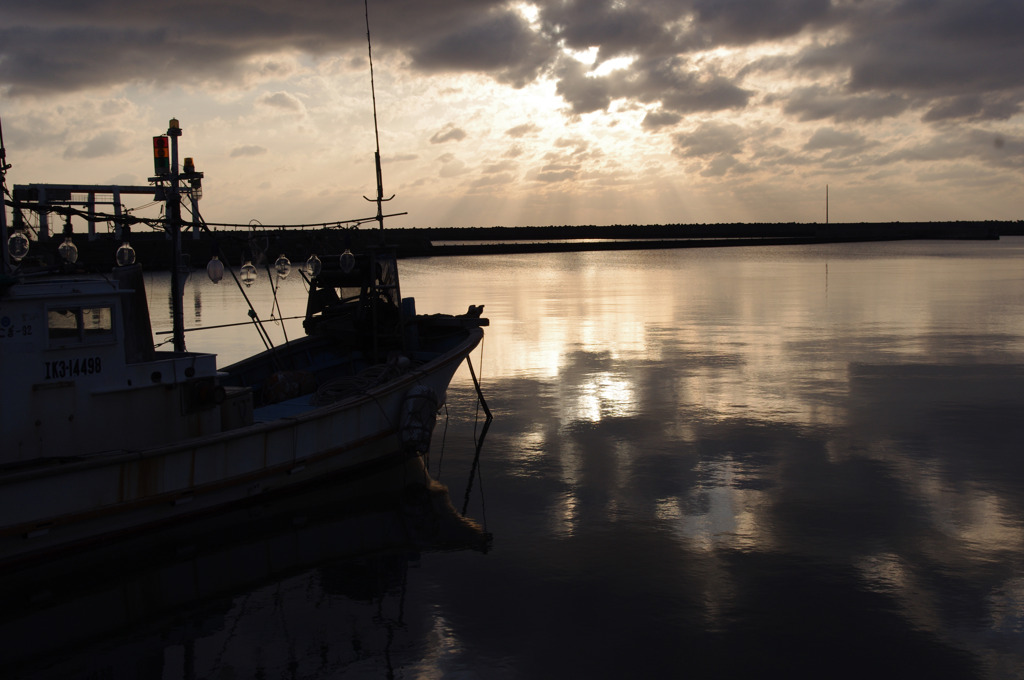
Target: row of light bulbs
(18, 245)
(282, 265)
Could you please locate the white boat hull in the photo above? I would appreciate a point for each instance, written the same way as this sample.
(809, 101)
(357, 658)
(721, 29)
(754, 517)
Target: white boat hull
(69, 503)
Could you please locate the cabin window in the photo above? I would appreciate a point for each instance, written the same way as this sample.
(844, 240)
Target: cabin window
(97, 322)
(63, 324)
(81, 324)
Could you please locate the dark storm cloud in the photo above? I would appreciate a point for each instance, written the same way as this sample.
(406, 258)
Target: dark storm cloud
(616, 29)
(816, 103)
(749, 21)
(956, 58)
(947, 59)
(946, 46)
(502, 45)
(53, 46)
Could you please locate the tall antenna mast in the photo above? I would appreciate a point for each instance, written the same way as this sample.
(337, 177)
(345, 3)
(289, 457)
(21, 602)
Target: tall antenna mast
(376, 155)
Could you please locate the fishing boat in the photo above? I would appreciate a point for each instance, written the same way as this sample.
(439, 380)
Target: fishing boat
(105, 435)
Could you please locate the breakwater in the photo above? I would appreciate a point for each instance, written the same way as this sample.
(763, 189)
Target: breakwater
(264, 245)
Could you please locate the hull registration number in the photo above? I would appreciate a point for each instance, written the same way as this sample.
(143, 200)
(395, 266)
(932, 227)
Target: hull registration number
(72, 368)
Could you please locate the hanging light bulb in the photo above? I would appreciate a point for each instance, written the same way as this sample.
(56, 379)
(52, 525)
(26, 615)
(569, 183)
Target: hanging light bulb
(347, 261)
(248, 273)
(17, 246)
(313, 265)
(215, 269)
(68, 250)
(125, 255)
(283, 265)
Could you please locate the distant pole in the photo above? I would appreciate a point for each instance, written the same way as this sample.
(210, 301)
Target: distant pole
(826, 204)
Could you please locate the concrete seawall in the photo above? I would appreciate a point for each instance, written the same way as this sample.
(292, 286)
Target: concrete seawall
(265, 245)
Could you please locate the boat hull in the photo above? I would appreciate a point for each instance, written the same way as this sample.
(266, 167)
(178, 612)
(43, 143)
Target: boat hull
(150, 582)
(68, 503)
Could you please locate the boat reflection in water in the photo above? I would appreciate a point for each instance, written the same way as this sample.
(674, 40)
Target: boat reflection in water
(212, 596)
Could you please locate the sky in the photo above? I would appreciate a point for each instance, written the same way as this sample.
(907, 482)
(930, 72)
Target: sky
(554, 112)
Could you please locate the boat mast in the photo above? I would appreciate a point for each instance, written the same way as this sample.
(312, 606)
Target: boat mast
(376, 156)
(5, 268)
(166, 170)
(174, 223)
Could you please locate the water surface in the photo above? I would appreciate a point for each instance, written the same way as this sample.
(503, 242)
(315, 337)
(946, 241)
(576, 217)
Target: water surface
(731, 462)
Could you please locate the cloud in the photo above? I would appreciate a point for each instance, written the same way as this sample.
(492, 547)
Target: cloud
(451, 166)
(583, 94)
(852, 86)
(500, 167)
(283, 101)
(247, 150)
(974, 107)
(109, 143)
(932, 51)
(498, 43)
(450, 133)
(830, 138)
(746, 21)
(818, 102)
(995, 150)
(657, 119)
(514, 151)
(551, 174)
(954, 59)
(710, 139)
(577, 145)
(493, 180)
(524, 130)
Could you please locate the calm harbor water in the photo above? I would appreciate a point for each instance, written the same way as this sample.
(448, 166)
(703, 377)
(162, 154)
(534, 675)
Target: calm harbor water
(789, 461)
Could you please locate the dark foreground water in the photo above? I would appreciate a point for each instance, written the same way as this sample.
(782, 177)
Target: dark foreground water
(754, 462)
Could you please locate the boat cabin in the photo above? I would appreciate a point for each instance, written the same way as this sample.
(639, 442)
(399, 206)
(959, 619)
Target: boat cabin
(81, 351)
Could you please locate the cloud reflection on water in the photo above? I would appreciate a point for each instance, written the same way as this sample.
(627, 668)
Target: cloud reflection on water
(775, 448)
(854, 407)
